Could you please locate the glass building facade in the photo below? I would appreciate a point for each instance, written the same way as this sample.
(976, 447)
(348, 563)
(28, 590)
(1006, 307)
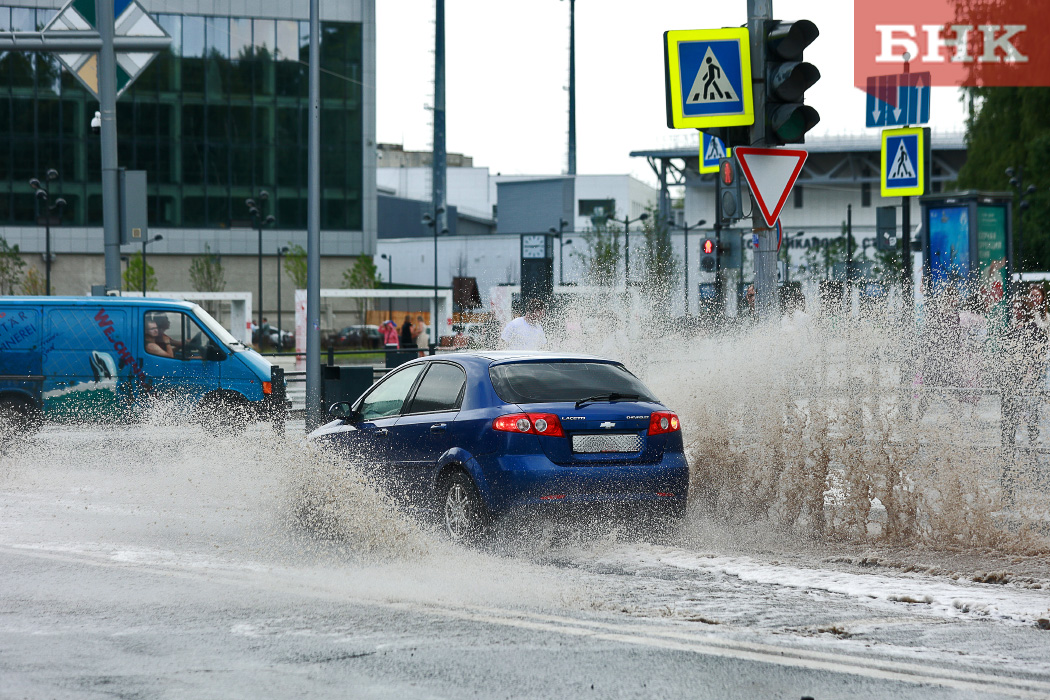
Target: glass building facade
(219, 116)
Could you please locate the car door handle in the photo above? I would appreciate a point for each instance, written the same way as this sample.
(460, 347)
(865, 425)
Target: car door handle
(382, 432)
(438, 427)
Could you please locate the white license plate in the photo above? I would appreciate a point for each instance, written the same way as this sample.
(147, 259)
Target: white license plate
(624, 443)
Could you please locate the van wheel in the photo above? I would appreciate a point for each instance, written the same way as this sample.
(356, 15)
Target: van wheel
(463, 512)
(223, 415)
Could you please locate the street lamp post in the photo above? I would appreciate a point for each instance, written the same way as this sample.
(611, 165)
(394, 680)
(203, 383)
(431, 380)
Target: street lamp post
(432, 221)
(627, 247)
(389, 280)
(1017, 182)
(258, 222)
(787, 254)
(685, 260)
(146, 242)
(281, 250)
(562, 223)
(43, 195)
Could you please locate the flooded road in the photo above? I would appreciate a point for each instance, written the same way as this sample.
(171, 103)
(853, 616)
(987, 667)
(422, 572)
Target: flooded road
(159, 562)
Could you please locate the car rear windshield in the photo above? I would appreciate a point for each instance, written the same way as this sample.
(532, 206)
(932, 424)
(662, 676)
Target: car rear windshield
(540, 382)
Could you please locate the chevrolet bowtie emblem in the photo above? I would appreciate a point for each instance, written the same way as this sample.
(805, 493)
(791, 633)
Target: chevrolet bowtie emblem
(608, 425)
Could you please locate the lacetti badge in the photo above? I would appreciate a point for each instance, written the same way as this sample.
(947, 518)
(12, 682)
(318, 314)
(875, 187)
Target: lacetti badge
(607, 425)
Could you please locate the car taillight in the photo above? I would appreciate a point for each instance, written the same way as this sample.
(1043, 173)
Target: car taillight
(532, 423)
(663, 422)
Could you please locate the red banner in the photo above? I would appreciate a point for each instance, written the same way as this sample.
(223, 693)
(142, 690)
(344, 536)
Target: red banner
(959, 42)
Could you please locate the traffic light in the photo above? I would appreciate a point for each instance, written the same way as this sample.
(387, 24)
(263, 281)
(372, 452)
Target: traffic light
(886, 228)
(708, 255)
(728, 190)
(787, 79)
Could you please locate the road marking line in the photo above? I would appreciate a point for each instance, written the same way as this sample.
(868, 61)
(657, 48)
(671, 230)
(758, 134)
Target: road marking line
(634, 634)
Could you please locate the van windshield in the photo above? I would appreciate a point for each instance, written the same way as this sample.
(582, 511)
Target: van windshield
(224, 336)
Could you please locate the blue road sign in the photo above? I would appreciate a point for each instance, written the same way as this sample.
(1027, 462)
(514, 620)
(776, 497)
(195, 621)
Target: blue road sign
(711, 149)
(904, 162)
(708, 78)
(910, 92)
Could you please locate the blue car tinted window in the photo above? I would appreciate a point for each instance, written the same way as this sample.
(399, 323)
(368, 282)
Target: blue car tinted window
(440, 390)
(389, 396)
(540, 382)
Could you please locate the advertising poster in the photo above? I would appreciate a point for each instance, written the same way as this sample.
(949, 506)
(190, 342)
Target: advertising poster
(949, 244)
(991, 252)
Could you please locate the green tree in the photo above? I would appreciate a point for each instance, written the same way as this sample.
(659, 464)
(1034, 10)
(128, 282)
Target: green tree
(207, 273)
(363, 275)
(11, 267)
(661, 269)
(133, 275)
(602, 254)
(295, 265)
(34, 284)
(1007, 128)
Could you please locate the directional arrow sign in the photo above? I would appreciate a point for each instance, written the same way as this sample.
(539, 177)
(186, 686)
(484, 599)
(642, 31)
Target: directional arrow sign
(771, 173)
(898, 100)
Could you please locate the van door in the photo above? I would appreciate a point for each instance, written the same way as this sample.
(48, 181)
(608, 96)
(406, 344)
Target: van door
(183, 362)
(21, 374)
(88, 363)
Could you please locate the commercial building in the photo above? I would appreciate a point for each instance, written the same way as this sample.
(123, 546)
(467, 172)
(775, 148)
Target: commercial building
(219, 117)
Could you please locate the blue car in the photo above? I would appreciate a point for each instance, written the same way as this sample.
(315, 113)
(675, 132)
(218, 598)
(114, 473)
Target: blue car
(480, 435)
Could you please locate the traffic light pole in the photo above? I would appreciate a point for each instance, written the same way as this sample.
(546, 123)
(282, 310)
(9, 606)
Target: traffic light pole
(758, 12)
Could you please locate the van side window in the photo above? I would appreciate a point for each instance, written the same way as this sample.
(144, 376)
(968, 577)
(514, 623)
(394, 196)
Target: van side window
(174, 334)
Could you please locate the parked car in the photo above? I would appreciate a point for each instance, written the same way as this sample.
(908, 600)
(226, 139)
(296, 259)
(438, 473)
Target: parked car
(478, 435)
(366, 337)
(273, 333)
(109, 358)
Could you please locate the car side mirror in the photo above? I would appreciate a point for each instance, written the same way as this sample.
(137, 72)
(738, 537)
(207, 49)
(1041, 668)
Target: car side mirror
(341, 411)
(213, 354)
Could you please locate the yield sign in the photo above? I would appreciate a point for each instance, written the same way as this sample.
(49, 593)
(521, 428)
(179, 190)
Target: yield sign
(771, 172)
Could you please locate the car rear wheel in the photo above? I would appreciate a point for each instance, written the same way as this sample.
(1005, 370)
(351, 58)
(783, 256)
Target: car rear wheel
(463, 511)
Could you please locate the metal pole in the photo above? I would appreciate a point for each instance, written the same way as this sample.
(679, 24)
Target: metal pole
(258, 224)
(439, 158)
(627, 253)
(280, 343)
(389, 282)
(107, 99)
(758, 11)
(47, 248)
(909, 291)
(686, 258)
(313, 230)
(144, 242)
(849, 244)
(1020, 218)
(572, 87)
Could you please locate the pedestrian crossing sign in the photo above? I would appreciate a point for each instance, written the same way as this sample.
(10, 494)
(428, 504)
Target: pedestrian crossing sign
(707, 78)
(711, 151)
(905, 161)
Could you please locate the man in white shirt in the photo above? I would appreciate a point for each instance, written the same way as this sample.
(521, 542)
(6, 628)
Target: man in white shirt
(525, 332)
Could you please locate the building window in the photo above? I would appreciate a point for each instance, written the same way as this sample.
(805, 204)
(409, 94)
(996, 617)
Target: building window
(590, 207)
(865, 194)
(797, 203)
(218, 116)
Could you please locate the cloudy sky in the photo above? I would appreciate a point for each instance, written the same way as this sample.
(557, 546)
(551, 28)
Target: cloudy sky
(507, 77)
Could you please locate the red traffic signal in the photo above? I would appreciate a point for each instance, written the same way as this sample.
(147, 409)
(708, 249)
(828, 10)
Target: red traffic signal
(728, 172)
(709, 246)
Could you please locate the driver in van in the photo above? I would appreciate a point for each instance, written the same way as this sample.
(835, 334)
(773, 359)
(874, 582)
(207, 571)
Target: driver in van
(163, 324)
(154, 342)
